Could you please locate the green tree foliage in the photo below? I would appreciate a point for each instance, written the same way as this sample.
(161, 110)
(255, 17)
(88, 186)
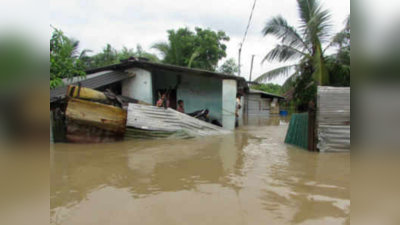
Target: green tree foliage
(65, 59)
(304, 89)
(139, 53)
(229, 67)
(67, 62)
(200, 49)
(110, 56)
(338, 64)
(107, 57)
(339, 72)
(270, 88)
(303, 44)
(125, 53)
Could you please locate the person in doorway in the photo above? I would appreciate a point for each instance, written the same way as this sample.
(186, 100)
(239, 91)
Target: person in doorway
(163, 101)
(181, 108)
(238, 107)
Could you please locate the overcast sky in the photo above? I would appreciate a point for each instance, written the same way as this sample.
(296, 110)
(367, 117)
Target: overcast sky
(128, 23)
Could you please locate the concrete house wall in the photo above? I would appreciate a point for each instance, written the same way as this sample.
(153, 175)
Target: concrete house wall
(202, 93)
(229, 90)
(140, 86)
(196, 92)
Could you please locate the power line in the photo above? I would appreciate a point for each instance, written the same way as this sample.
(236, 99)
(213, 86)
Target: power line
(245, 33)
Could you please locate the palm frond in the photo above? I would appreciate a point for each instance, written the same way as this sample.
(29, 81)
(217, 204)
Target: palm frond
(281, 71)
(176, 48)
(151, 57)
(74, 44)
(347, 22)
(283, 53)
(290, 81)
(342, 38)
(337, 40)
(84, 53)
(279, 27)
(192, 58)
(316, 22)
(162, 47)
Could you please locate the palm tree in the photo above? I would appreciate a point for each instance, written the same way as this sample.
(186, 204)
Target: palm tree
(144, 54)
(173, 52)
(65, 59)
(107, 57)
(303, 44)
(338, 64)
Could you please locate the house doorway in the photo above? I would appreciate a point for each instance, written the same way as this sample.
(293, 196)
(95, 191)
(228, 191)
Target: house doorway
(172, 97)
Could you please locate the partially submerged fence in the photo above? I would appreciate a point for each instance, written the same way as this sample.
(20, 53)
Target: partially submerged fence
(333, 119)
(297, 133)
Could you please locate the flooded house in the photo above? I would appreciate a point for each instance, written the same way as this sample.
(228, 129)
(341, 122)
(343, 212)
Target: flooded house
(261, 104)
(141, 81)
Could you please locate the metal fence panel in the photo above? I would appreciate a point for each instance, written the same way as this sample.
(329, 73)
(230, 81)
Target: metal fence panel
(333, 119)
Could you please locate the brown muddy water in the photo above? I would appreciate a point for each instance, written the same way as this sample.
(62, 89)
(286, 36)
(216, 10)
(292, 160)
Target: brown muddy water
(248, 177)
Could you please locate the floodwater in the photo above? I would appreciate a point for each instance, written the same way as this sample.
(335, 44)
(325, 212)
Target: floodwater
(248, 177)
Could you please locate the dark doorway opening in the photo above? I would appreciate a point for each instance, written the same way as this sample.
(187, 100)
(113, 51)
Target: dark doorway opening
(171, 95)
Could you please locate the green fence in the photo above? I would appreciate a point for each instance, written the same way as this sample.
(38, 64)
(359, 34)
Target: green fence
(297, 133)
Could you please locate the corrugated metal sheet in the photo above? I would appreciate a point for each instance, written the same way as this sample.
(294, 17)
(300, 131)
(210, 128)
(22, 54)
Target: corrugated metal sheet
(297, 133)
(265, 94)
(333, 119)
(258, 106)
(93, 81)
(151, 118)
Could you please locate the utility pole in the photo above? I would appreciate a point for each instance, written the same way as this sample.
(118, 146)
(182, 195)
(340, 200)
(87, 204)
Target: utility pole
(240, 52)
(251, 68)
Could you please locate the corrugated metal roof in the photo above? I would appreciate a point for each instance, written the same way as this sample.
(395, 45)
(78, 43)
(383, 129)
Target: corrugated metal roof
(153, 118)
(187, 71)
(77, 79)
(93, 81)
(253, 91)
(166, 67)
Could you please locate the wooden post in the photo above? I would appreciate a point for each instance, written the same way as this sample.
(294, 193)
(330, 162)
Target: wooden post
(312, 141)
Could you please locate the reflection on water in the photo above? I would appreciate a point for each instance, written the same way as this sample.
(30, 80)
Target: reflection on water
(248, 177)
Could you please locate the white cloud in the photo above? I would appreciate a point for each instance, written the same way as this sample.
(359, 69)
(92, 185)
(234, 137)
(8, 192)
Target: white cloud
(127, 23)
